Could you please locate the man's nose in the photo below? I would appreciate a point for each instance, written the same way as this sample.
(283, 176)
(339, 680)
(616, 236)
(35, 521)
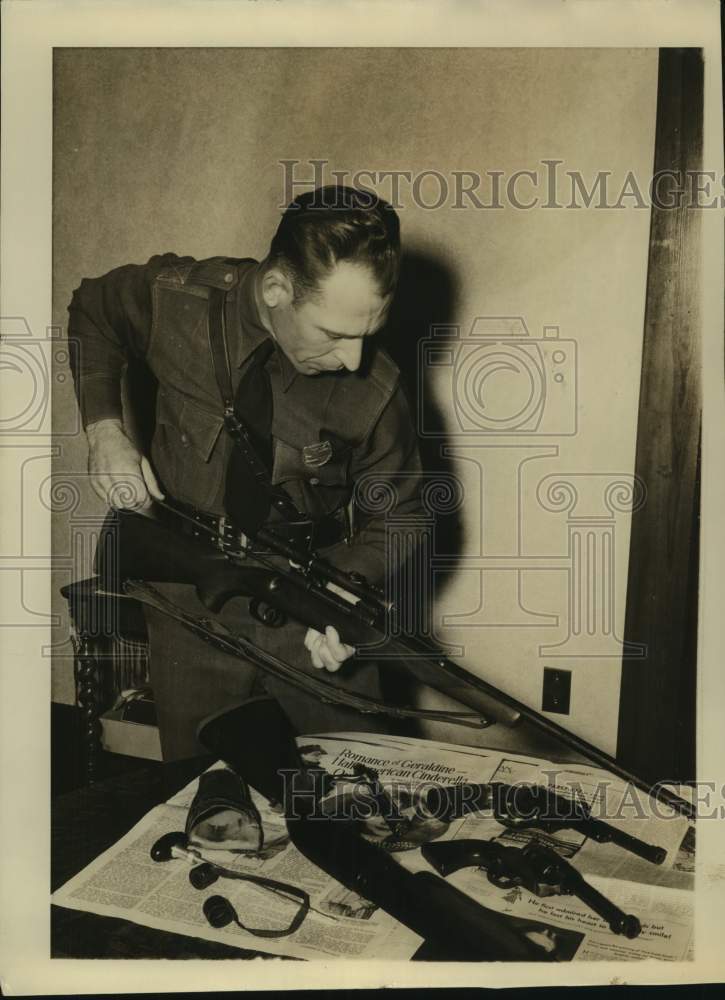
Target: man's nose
(350, 353)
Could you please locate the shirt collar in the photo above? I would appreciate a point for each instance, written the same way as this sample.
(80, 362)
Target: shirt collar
(254, 331)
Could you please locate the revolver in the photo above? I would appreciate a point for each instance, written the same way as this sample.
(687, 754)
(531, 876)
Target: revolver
(523, 806)
(535, 867)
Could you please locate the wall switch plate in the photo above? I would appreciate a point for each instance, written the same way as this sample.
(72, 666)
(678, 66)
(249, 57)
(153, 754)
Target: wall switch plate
(557, 690)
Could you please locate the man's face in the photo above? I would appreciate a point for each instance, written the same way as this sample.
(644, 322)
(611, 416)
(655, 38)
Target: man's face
(327, 331)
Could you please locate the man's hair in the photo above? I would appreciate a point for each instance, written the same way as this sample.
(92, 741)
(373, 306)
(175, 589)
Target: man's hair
(331, 224)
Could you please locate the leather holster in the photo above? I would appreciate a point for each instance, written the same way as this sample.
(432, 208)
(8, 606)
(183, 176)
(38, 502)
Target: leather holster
(222, 815)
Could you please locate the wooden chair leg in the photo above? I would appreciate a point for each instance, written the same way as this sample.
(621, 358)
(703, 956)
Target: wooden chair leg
(86, 671)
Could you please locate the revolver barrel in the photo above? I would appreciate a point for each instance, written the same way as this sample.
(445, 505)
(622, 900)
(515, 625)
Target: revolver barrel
(619, 921)
(555, 871)
(603, 833)
(535, 806)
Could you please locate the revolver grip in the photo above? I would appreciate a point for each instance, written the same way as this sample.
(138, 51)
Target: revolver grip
(448, 856)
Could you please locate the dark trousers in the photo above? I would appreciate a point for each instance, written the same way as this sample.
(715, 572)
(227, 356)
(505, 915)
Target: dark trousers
(192, 680)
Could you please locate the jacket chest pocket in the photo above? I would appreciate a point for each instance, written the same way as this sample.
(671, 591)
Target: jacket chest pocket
(321, 488)
(184, 450)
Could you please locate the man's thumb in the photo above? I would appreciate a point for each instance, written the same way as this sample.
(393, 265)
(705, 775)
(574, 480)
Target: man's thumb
(150, 479)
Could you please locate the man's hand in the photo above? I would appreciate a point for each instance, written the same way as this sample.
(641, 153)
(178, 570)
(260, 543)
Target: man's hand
(120, 476)
(327, 651)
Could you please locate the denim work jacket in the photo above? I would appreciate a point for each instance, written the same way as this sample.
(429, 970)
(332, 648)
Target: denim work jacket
(159, 312)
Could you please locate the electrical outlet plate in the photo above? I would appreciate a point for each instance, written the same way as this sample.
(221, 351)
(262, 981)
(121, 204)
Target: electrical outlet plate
(556, 696)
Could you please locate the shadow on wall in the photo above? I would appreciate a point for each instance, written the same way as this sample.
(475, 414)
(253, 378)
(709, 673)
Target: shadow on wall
(426, 296)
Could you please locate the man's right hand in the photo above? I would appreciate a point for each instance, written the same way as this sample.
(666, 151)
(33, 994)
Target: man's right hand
(120, 476)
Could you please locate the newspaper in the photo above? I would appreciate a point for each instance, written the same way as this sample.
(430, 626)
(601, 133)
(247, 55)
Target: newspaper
(124, 881)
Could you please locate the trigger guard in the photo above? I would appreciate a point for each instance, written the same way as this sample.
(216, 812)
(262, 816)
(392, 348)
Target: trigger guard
(501, 880)
(266, 614)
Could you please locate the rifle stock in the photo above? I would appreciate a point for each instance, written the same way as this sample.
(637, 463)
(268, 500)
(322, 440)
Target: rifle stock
(141, 547)
(136, 546)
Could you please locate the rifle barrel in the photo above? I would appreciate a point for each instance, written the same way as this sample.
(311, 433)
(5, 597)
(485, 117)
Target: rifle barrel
(541, 722)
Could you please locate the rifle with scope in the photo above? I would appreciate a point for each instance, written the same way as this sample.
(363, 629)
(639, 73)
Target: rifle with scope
(285, 581)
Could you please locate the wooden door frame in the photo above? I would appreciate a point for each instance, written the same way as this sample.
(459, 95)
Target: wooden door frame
(656, 736)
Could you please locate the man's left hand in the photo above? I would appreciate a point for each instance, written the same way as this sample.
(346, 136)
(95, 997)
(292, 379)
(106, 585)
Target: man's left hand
(327, 651)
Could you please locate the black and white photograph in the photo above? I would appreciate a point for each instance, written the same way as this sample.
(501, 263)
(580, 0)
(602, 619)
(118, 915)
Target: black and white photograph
(362, 428)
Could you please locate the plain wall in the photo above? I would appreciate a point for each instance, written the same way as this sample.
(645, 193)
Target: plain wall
(179, 149)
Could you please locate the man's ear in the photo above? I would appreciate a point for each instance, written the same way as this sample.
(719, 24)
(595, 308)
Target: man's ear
(277, 288)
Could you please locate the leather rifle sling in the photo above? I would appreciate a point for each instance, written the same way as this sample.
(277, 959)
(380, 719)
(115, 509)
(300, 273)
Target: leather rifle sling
(265, 494)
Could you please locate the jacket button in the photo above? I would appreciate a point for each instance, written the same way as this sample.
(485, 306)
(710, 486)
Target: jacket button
(229, 277)
(184, 439)
(315, 481)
